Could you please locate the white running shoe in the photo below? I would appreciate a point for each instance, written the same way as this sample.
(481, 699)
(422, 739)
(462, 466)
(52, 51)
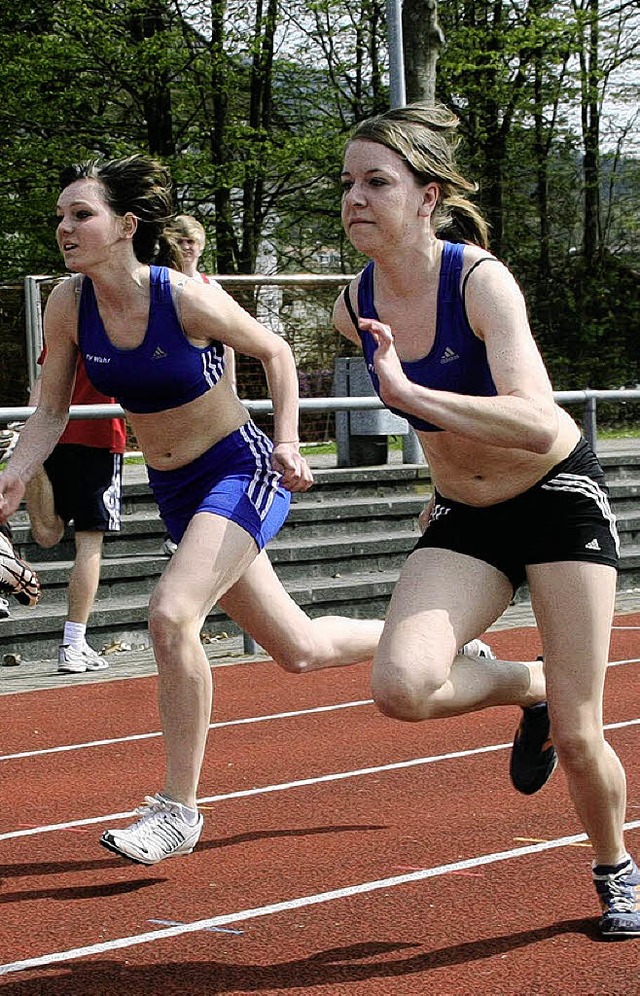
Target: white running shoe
(94, 661)
(72, 661)
(4, 609)
(476, 648)
(161, 832)
(168, 546)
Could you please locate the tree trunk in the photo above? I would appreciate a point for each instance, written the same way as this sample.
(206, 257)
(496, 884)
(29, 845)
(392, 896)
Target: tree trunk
(589, 60)
(260, 105)
(226, 243)
(155, 88)
(422, 42)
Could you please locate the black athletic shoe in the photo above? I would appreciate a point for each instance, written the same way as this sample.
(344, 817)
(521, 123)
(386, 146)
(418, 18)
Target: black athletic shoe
(533, 756)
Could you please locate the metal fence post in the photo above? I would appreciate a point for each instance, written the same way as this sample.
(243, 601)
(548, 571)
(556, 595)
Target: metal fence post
(397, 90)
(33, 325)
(249, 645)
(411, 448)
(589, 422)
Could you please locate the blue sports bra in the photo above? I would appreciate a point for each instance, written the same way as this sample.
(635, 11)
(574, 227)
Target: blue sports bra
(164, 371)
(457, 361)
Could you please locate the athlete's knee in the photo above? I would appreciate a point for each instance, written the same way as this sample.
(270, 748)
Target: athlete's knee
(406, 690)
(46, 536)
(294, 665)
(170, 620)
(303, 651)
(578, 747)
(296, 658)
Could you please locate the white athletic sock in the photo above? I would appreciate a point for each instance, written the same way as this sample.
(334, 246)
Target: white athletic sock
(189, 815)
(74, 634)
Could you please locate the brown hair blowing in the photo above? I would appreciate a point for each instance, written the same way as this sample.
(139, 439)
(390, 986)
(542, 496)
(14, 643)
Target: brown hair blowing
(142, 186)
(425, 137)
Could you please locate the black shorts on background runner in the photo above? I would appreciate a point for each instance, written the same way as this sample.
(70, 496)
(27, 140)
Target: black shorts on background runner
(87, 486)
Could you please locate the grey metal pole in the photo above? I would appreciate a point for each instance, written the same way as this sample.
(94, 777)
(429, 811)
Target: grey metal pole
(411, 449)
(590, 422)
(397, 91)
(249, 645)
(33, 325)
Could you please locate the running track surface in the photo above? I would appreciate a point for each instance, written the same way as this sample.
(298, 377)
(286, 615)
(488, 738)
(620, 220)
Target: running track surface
(343, 853)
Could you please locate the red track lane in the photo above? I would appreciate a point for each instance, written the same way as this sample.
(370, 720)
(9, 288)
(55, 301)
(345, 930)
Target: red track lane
(517, 927)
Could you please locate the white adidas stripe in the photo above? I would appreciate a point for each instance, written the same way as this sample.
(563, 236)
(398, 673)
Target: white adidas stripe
(262, 489)
(580, 484)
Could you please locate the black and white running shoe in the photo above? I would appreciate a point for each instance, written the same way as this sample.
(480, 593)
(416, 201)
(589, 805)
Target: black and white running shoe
(161, 832)
(17, 578)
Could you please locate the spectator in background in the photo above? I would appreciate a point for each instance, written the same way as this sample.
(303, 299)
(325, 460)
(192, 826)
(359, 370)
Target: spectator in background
(191, 238)
(81, 482)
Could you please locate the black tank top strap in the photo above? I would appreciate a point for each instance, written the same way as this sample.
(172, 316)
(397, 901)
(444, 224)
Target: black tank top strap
(349, 307)
(485, 259)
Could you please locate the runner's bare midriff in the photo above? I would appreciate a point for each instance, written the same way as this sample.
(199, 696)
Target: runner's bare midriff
(479, 474)
(177, 436)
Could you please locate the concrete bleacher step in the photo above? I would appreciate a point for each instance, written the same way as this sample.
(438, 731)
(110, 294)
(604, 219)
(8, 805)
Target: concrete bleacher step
(624, 493)
(621, 464)
(35, 633)
(142, 532)
(628, 522)
(339, 552)
(293, 559)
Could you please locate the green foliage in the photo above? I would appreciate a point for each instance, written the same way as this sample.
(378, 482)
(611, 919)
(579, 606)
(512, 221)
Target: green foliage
(522, 79)
(253, 127)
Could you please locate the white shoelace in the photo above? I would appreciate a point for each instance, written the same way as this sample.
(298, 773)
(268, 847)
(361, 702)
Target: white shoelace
(621, 900)
(159, 822)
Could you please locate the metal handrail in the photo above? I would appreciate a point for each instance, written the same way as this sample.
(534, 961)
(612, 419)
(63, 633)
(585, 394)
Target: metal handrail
(589, 398)
(265, 407)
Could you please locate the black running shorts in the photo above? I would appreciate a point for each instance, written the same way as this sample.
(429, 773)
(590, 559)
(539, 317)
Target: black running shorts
(564, 516)
(87, 486)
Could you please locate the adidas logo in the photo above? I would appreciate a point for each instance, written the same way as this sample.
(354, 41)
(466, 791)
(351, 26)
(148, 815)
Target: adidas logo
(593, 545)
(449, 355)
(159, 353)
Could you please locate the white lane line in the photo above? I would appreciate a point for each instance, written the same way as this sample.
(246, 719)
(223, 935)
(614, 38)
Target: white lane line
(263, 790)
(415, 762)
(212, 726)
(132, 738)
(345, 892)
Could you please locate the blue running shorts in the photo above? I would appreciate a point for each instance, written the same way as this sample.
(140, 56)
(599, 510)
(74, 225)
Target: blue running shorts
(564, 516)
(233, 479)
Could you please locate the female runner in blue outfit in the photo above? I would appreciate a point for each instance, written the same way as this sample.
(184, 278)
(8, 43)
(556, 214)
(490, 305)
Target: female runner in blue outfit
(155, 340)
(517, 493)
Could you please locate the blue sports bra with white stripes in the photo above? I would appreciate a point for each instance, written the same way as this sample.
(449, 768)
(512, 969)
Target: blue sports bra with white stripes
(457, 361)
(164, 371)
